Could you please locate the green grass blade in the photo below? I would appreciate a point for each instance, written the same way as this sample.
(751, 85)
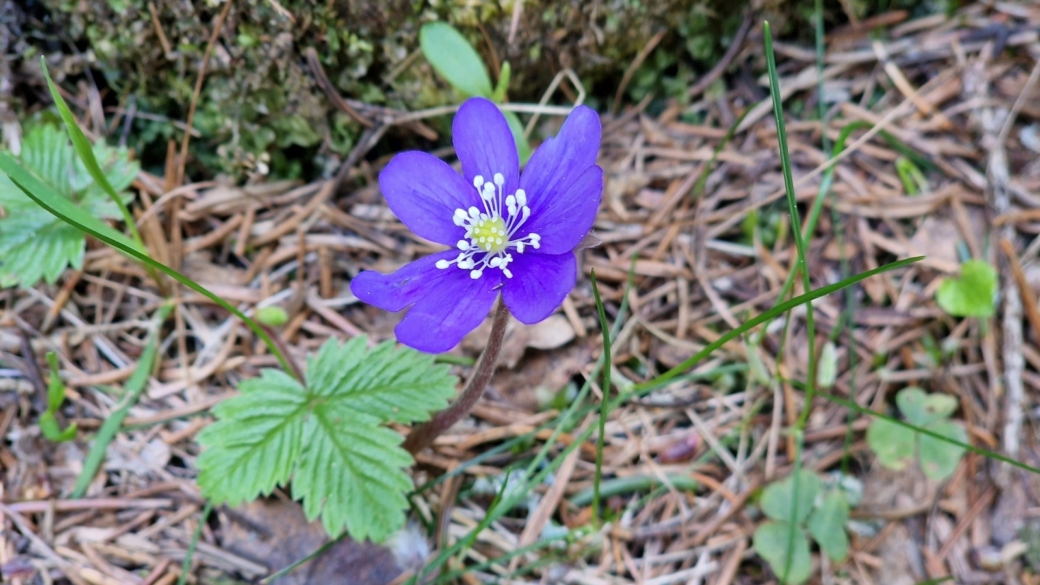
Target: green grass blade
(76, 217)
(604, 411)
(628, 485)
(134, 388)
(796, 223)
(190, 553)
(86, 153)
(776, 311)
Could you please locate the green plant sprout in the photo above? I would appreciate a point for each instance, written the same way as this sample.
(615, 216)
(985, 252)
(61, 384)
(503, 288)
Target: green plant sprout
(35, 245)
(55, 397)
(455, 59)
(972, 294)
(896, 446)
(914, 181)
(795, 505)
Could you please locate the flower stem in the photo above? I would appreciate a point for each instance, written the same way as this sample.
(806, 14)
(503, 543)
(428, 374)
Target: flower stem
(423, 435)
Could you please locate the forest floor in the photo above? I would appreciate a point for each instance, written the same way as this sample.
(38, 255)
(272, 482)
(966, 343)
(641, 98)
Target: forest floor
(944, 164)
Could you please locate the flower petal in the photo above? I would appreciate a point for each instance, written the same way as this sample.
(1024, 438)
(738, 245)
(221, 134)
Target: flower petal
(560, 161)
(539, 284)
(424, 192)
(484, 143)
(445, 303)
(567, 215)
(448, 311)
(396, 291)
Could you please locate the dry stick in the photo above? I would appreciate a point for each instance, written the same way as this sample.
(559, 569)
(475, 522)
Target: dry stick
(198, 91)
(727, 58)
(636, 63)
(423, 435)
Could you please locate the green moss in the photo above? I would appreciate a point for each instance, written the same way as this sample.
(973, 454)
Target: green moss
(260, 106)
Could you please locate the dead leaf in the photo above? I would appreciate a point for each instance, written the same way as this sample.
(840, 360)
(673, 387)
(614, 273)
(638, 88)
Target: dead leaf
(275, 533)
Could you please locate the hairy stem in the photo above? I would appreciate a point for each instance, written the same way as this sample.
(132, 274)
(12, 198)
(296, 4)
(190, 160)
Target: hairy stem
(423, 435)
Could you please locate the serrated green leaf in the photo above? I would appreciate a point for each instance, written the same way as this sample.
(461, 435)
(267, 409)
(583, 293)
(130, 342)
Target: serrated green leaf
(47, 153)
(344, 451)
(455, 59)
(923, 409)
(893, 444)
(939, 459)
(779, 502)
(827, 525)
(972, 294)
(789, 558)
(405, 391)
(327, 437)
(35, 245)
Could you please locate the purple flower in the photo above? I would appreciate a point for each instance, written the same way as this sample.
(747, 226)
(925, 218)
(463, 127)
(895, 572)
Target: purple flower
(510, 233)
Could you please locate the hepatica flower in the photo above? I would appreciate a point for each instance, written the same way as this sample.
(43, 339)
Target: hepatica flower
(510, 233)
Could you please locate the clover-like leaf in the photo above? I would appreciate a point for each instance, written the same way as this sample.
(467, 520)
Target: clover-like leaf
(939, 459)
(972, 294)
(780, 502)
(893, 444)
(328, 436)
(827, 525)
(34, 244)
(786, 549)
(923, 409)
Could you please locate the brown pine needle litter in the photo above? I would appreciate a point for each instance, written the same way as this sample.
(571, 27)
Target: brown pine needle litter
(683, 466)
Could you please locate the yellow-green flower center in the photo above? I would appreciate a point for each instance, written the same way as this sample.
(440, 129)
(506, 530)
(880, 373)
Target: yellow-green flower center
(489, 234)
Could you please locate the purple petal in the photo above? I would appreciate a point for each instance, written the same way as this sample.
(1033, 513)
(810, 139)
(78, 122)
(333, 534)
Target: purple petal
(445, 303)
(448, 311)
(484, 143)
(424, 192)
(539, 284)
(567, 214)
(395, 291)
(560, 161)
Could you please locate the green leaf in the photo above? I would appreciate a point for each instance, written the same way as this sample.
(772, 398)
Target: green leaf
(46, 152)
(893, 444)
(523, 148)
(971, 295)
(455, 59)
(827, 368)
(327, 436)
(789, 558)
(922, 409)
(35, 245)
(272, 316)
(939, 459)
(779, 501)
(827, 525)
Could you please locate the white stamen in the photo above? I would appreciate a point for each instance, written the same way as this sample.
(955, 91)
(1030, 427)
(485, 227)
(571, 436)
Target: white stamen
(492, 232)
